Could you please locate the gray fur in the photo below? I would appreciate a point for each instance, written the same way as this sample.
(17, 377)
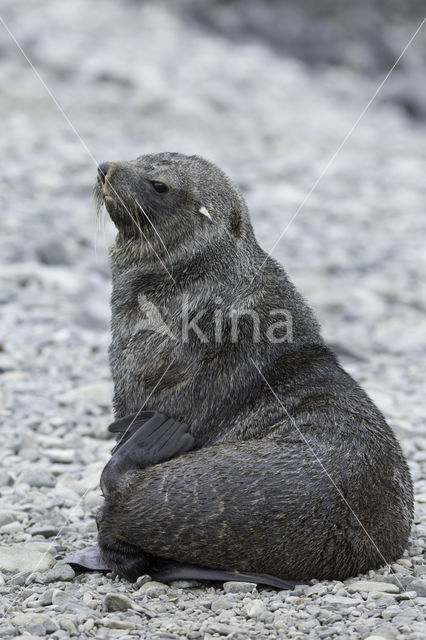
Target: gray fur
(252, 495)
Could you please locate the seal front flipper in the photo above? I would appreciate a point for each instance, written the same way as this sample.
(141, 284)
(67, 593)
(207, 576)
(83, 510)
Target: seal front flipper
(156, 440)
(125, 427)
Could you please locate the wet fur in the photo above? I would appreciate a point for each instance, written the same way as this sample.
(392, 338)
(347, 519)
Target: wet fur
(251, 495)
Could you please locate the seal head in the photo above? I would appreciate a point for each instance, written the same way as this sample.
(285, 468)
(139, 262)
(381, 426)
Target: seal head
(172, 196)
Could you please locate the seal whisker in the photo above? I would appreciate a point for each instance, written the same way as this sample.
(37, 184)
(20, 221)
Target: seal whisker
(98, 194)
(98, 200)
(134, 218)
(155, 230)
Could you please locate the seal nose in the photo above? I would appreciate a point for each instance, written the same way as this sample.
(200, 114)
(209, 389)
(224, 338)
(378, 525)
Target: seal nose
(103, 171)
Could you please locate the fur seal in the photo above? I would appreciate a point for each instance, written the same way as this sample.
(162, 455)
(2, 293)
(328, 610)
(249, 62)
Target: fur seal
(239, 453)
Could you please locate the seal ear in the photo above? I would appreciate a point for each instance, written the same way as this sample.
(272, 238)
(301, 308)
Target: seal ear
(205, 212)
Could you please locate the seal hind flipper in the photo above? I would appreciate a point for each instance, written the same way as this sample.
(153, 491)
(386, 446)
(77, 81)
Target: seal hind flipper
(156, 440)
(90, 559)
(167, 571)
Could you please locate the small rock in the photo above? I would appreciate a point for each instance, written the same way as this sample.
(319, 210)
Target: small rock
(88, 625)
(24, 559)
(67, 624)
(152, 589)
(25, 618)
(385, 631)
(222, 603)
(99, 393)
(405, 562)
(37, 477)
(6, 363)
(185, 584)
(406, 595)
(60, 572)
(313, 609)
(369, 586)
(47, 530)
(62, 456)
(219, 628)
(419, 586)
(143, 580)
(382, 601)
(8, 515)
(118, 624)
(239, 587)
(93, 500)
(61, 598)
(46, 598)
(391, 612)
(404, 621)
(12, 527)
(6, 479)
(400, 581)
(326, 633)
(379, 595)
(19, 578)
(314, 590)
(255, 608)
(117, 602)
(339, 602)
(52, 252)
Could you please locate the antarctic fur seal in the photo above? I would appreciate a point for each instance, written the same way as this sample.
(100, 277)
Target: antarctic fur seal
(238, 453)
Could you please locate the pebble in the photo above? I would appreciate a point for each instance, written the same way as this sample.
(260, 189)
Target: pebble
(239, 587)
(37, 477)
(59, 573)
(8, 516)
(405, 562)
(64, 456)
(222, 603)
(255, 609)
(419, 586)
(13, 527)
(142, 580)
(61, 598)
(118, 624)
(99, 393)
(47, 530)
(218, 628)
(152, 589)
(24, 559)
(367, 586)
(185, 584)
(117, 602)
(338, 602)
(46, 598)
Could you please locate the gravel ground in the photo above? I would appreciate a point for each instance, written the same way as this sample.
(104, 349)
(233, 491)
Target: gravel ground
(133, 79)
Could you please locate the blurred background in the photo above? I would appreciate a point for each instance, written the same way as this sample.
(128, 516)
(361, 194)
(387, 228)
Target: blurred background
(266, 89)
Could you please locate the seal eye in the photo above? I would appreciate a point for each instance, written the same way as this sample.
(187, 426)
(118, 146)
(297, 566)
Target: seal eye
(160, 187)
